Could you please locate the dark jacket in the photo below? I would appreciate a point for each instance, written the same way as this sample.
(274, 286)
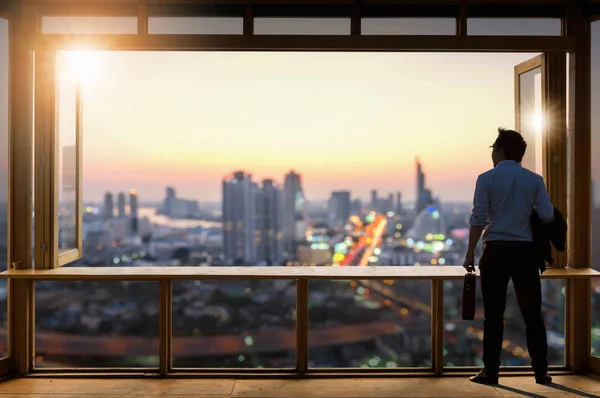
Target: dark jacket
(543, 234)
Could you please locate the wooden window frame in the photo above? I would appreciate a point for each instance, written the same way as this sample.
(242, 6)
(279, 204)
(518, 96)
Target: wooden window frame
(554, 127)
(47, 253)
(594, 361)
(5, 362)
(26, 16)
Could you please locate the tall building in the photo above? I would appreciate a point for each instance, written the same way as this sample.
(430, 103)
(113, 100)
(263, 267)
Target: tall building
(269, 223)
(356, 207)
(109, 205)
(169, 201)
(239, 218)
(121, 205)
(133, 210)
(389, 205)
(374, 200)
(398, 202)
(424, 198)
(294, 213)
(339, 208)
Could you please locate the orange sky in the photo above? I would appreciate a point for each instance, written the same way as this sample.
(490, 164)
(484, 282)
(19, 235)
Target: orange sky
(344, 120)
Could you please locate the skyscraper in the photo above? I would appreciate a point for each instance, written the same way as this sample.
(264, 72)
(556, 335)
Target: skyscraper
(356, 207)
(269, 223)
(239, 218)
(108, 205)
(339, 208)
(420, 186)
(133, 210)
(374, 200)
(398, 202)
(294, 213)
(169, 201)
(121, 204)
(424, 198)
(133, 202)
(389, 204)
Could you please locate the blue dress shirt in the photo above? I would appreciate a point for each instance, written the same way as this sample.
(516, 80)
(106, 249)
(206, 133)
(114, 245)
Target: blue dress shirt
(505, 197)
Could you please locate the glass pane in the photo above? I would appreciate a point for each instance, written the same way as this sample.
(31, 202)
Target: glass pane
(67, 156)
(463, 340)
(369, 324)
(96, 324)
(408, 26)
(4, 167)
(89, 25)
(195, 26)
(596, 186)
(302, 26)
(234, 324)
(531, 119)
(237, 201)
(514, 27)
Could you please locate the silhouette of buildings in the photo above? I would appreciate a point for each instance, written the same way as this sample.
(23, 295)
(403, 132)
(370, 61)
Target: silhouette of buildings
(269, 223)
(121, 205)
(133, 211)
(294, 213)
(339, 207)
(179, 208)
(424, 198)
(109, 205)
(239, 218)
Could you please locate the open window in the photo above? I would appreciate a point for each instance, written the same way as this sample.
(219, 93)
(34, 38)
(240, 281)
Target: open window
(541, 117)
(58, 151)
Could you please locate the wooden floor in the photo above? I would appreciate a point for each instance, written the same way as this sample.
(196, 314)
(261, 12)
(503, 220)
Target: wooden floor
(565, 386)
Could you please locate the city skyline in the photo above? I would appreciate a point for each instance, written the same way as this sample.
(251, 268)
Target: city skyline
(169, 192)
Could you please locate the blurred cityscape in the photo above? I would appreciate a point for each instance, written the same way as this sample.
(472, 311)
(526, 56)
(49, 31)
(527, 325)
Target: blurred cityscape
(251, 323)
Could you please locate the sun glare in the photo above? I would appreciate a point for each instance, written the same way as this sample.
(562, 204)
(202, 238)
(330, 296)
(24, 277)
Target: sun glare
(83, 65)
(538, 121)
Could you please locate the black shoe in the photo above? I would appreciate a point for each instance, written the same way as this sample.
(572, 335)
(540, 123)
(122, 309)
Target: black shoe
(543, 379)
(484, 378)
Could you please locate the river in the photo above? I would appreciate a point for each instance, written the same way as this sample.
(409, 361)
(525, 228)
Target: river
(179, 223)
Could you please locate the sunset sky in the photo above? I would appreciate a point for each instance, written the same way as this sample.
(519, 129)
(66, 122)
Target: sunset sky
(352, 121)
(343, 120)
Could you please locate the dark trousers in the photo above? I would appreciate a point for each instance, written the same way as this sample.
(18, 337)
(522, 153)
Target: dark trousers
(499, 263)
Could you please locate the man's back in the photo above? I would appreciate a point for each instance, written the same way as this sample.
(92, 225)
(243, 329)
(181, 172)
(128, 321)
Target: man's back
(505, 197)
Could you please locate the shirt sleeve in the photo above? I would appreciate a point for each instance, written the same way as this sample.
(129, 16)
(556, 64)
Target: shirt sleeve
(481, 205)
(543, 205)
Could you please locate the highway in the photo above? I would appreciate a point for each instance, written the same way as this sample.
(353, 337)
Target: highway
(265, 341)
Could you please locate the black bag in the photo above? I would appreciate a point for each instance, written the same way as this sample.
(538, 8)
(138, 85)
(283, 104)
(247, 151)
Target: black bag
(468, 297)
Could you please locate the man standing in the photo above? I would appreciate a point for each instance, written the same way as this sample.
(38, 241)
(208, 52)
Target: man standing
(504, 200)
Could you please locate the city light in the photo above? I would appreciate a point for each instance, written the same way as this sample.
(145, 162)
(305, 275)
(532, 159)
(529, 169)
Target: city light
(366, 236)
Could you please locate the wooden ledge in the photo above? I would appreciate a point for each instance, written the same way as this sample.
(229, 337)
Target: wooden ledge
(231, 273)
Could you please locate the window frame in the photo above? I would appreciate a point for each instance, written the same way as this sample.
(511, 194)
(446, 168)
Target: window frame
(593, 360)
(554, 128)
(6, 361)
(573, 41)
(47, 254)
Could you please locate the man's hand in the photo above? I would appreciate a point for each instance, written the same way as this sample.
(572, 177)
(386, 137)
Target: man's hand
(469, 263)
